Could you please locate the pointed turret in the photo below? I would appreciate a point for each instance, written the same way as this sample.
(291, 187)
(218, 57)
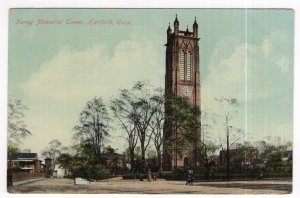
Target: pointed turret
(176, 26)
(195, 28)
(169, 30)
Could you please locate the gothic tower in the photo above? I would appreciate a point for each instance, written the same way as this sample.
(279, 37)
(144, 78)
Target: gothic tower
(182, 79)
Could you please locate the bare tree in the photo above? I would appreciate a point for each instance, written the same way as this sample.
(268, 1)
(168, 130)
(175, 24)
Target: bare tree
(142, 100)
(17, 129)
(157, 126)
(52, 151)
(233, 134)
(123, 110)
(94, 126)
(208, 146)
(137, 103)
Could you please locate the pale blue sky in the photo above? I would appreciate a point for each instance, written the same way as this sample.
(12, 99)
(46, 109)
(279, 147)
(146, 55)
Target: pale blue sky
(55, 69)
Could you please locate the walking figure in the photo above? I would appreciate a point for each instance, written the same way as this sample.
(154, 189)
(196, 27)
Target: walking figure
(149, 174)
(189, 178)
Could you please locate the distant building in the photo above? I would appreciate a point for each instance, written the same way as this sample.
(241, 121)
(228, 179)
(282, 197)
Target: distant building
(115, 161)
(238, 156)
(26, 162)
(214, 160)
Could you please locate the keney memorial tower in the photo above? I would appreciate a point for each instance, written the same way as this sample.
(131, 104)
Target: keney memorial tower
(182, 78)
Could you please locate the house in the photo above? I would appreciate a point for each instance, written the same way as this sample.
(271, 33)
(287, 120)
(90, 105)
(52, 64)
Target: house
(213, 160)
(239, 156)
(26, 162)
(115, 161)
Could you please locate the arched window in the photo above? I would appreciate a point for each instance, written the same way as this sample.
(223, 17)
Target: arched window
(189, 66)
(182, 64)
(185, 66)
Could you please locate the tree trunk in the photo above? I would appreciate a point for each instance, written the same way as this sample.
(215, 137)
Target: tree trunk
(132, 160)
(143, 159)
(159, 160)
(227, 158)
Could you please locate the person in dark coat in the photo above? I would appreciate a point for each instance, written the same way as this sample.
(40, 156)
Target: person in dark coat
(189, 178)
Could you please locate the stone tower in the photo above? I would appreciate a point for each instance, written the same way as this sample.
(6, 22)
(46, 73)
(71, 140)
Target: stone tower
(182, 79)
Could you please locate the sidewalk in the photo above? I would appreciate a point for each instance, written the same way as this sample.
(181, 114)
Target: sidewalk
(17, 183)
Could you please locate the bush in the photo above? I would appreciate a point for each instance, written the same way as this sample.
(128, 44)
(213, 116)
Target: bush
(135, 176)
(97, 172)
(129, 176)
(177, 174)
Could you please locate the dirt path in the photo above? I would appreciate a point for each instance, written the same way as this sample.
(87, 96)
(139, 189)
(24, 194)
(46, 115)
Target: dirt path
(66, 186)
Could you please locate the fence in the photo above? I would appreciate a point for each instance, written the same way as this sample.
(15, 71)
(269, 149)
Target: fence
(24, 176)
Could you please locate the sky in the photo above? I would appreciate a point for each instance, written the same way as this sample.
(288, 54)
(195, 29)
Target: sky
(56, 68)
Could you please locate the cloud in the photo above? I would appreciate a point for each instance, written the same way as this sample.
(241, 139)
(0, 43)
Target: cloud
(258, 75)
(83, 74)
(246, 67)
(61, 87)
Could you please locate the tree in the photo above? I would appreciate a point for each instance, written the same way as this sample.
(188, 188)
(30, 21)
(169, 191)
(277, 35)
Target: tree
(232, 134)
(64, 161)
(94, 126)
(80, 161)
(145, 109)
(52, 151)
(245, 149)
(12, 150)
(207, 149)
(157, 126)
(181, 126)
(123, 110)
(271, 153)
(137, 108)
(109, 149)
(17, 128)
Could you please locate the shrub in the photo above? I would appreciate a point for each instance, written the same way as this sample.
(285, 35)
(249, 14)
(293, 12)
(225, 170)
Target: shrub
(177, 174)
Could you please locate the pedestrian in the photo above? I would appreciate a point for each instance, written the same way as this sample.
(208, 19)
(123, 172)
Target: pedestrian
(192, 177)
(149, 175)
(188, 178)
(154, 177)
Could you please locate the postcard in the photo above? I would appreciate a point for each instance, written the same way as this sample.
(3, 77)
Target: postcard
(150, 101)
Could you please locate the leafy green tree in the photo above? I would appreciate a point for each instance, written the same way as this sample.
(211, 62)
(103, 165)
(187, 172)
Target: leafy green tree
(271, 153)
(274, 160)
(12, 150)
(109, 149)
(245, 149)
(64, 161)
(181, 126)
(207, 149)
(82, 162)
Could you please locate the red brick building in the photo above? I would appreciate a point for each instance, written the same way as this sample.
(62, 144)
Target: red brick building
(182, 79)
(26, 162)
